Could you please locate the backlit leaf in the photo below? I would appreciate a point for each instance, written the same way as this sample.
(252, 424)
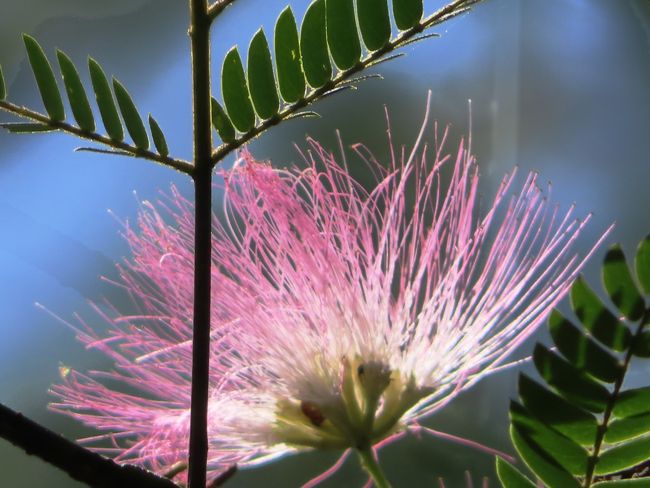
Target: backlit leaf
(567, 453)
(81, 110)
(623, 456)
(642, 264)
(131, 116)
(511, 477)
(235, 92)
(342, 35)
(596, 318)
(287, 57)
(620, 285)
(222, 123)
(105, 101)
(313, 46)
(374, 23)
(158, 137)
(632, 402)
(45, 79)
(3, 86)
(26, 128)
(261, 80)
(543, 465)
(582, 351)
(571, 383)
(642, 345)
(627, 428)
(555, 411)
(407, 13)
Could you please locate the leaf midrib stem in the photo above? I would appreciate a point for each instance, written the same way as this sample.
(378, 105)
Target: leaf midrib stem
(602, 427)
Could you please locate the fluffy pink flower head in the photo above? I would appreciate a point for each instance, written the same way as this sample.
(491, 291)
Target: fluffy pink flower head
(341, 314)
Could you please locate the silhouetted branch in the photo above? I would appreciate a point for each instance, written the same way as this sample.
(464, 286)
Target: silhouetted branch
(217, 7)
(79, 463)
(25, 113)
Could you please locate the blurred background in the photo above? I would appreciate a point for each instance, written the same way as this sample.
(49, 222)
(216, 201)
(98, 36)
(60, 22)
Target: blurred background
(557, 86)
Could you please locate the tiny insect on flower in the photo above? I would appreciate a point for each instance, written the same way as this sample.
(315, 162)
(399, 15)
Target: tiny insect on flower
(341, 314)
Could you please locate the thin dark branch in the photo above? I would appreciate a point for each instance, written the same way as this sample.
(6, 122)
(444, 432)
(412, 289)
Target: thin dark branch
(447, 12)
(201, 99)
(177, 164)
(609, 409)
(224, 477)
(79, 463)
(217, 7)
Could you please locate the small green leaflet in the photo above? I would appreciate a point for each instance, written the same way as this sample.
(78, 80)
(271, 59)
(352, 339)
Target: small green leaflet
(158, 137)
(45, 79)
(313, 46)
(235, 92)
(620, 285)
(222, 123)
(131, 117)
(342, 36)
(260, 77)
(81, 110)
(287, 58)
(105, 101)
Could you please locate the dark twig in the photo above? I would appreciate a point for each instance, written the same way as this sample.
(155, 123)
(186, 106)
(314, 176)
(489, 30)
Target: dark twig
(79, 463)
(223, 477)
(25, 113)
(217, 7)
(201, 99)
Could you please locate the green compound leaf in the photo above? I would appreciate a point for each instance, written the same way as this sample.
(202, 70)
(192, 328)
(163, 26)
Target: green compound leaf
(627, 483)
(624, 456)
(81, 110)
(235, 92)
(105, 101)
(158, 137)
(511, 477)
(581, 351)
(627, 428)
(45, 79)
(620, 285)
(642, 345)
(567, 453)
(596, 318)
(287, 58)
(543, 465)
(342, 35)
(642, 264)
(131, 116)
(571, 383)
(407, 13)
(558, 413)
(374, 22)
(632, 402)
(27, 128)
(222, 123)
(313, 46)
(3, 86)
(261, 80)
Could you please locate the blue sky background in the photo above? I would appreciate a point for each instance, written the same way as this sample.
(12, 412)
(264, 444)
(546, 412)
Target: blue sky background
(559, 86)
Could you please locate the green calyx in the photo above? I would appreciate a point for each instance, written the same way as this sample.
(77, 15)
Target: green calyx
(366, 408)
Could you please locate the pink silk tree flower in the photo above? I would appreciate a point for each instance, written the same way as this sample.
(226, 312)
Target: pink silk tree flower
(342, 314)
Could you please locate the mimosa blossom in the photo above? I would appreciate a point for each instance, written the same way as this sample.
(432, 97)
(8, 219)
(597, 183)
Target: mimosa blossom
(342, 312)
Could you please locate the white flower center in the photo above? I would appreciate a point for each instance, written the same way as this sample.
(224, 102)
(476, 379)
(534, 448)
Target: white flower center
(366, 408)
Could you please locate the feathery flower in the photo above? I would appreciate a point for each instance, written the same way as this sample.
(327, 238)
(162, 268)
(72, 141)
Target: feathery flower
(341, 315)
